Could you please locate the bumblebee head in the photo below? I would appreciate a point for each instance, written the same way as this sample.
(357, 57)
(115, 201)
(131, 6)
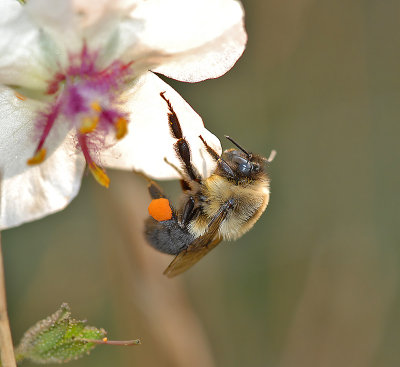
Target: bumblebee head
(244, 164)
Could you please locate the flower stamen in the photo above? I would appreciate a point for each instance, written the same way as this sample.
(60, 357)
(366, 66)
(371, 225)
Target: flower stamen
(96, 106)
(39, 157)
(89, 124)
(20, 96)
(40, 153)
(121, 127)
(87, 98)
(98, 173)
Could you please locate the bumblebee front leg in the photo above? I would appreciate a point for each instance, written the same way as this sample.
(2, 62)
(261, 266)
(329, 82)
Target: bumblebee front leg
(221, 163)
(185, 185)
(181, 146)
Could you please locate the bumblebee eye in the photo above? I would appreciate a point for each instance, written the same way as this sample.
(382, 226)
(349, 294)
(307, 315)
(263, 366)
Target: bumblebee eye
(244, 168)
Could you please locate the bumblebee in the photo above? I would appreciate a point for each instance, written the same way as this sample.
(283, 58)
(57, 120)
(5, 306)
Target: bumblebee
(223, 206)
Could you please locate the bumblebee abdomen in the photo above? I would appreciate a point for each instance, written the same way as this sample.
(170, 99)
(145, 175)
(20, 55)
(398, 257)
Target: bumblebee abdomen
(167, 236)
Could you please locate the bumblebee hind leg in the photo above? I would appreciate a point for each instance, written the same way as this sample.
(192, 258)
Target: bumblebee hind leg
(155, 191)
(165, 233)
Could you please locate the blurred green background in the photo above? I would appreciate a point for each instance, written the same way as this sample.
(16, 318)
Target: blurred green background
(316, 282)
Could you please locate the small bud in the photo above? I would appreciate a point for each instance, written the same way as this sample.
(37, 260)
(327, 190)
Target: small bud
(58, 338)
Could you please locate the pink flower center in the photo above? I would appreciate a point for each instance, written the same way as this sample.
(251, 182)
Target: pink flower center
(87, 98)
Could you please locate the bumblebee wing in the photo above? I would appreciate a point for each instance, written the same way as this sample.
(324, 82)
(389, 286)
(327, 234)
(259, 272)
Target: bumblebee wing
(187, 258)
(200, 247)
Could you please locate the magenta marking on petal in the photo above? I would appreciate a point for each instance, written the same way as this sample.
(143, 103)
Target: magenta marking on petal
(54, 85)
(74, 102)
(109, 116)
(77, 90)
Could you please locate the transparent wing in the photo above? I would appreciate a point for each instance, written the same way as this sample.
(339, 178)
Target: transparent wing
(200, 247)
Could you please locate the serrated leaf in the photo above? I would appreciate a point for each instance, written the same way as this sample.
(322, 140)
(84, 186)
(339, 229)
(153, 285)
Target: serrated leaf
(58, 338)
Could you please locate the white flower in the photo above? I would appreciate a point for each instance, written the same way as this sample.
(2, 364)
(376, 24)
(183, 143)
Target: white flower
(75, 89)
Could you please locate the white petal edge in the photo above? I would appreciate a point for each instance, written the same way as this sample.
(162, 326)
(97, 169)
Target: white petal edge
(94, 11)
(194, 39)
(32, 192)
(41, 190)
(149, 140)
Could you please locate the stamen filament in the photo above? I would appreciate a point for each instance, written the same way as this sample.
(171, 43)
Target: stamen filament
(98, 173)
(50, 119)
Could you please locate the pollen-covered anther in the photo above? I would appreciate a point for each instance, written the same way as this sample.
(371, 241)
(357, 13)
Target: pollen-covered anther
(39, 157)
(96, 106)
(88, 124)
(99, 174)
(20, 96)
(121, 127)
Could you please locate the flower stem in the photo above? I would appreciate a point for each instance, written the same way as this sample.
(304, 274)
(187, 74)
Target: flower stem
(112, 342)
(6, 345)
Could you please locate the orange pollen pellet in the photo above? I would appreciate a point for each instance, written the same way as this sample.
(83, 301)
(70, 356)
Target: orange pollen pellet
(160, 209)
(105, 339)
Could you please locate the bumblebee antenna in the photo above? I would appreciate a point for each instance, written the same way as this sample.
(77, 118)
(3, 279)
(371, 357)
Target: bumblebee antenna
(234, 142)
(272, 156)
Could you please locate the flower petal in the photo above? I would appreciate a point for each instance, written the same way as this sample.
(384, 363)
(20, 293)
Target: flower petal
(31, 192)
(149, 140)
(94, 11)
(196, 39)
(22, 60)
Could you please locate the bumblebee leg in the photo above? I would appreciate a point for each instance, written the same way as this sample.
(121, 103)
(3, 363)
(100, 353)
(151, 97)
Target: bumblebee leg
(181, 146)
(189, 211)
(210, 150)
(222, 212)
(155, 191)
(185, 186)
(174, 167)
(221, 163)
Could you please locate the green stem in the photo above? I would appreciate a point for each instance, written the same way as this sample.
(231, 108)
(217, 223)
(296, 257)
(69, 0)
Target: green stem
(112, 342)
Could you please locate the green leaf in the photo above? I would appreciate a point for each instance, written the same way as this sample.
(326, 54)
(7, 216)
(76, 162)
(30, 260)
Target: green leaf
(58, 338)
